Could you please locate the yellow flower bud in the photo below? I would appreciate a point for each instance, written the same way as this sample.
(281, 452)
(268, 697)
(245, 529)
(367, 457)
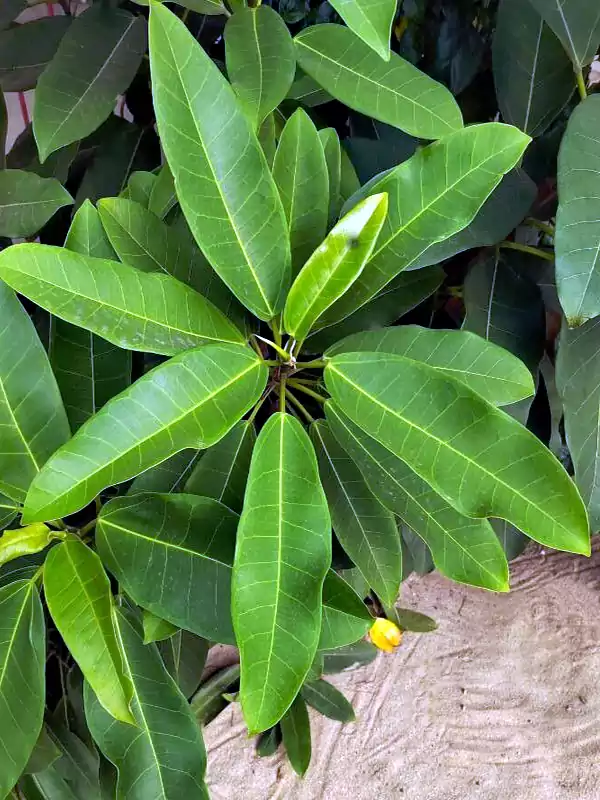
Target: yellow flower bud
(385, 635)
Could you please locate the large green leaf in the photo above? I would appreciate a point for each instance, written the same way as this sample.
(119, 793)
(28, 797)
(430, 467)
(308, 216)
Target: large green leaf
(578, 218)
(295, 729)
(487, 369)
(96, 61)
(282, 555)
(465, 550)
(370, 20)
(223, 183)
(27, 202)
(366, 530)
(300, 172)
(22, 690)
(334, 266)
(478, 458)
(150, 312)
(189, 402)
(346, 618)
(164, 757)
(327, 700)
(395, 92)
(78, 595)
(433, 195)
(25, 51)
(533, 75)
(153, 543)
(260, 60)
(32, 415)
(577, 25)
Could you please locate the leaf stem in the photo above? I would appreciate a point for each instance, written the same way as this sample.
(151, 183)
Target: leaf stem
(546, 228)
(318, 364)
(300, 387)
(282, 394)
(525, 248)
(581, 84)
(258, 406)
(275, 327)
(87, 528)
(295, 402)
(277, 347)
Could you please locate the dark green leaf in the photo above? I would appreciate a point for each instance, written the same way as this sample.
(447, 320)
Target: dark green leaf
(162, 198)
(27, 202)
(78, 764)
(168, 476)
(327, 700)
(268, 742)
(354, 655)
(10, 10)
(184, 656)
(8, 511)
(577, 25)
(25, 51)
(295, 729)
(414, 621)
(330, 143)
(44, 754)
(208, 700)
(345, 616)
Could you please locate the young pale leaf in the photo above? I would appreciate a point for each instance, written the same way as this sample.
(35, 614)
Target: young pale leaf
(433, 195)
(577, 25)
(157, 629)
(295, 729)
(372, 21)
(27, 202)
(366, 530)
(190, 401)
(164, 757)
(222, 472)
(283, 547)
(226, 192)
(327, 700)
(25, 541)
(154, 313)
(346, 618)
(395, 92)
(334, 266)
(154, 542)
(260, 60)
(80, 601)
(22, 689)
(26, 50)
(32, 415)
(300, 172)
(464, 550)
(330, 142)
(96, 61)
(533, 75)
(487, 369)
(478, 458)
(578, 217)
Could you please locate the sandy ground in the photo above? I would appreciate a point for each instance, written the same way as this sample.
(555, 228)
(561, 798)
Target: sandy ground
(503, 701)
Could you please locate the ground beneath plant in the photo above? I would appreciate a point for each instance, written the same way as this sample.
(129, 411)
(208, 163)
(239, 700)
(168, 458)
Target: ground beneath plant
(502, 701)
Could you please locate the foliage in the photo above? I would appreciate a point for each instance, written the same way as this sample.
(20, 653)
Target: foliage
(286, 337)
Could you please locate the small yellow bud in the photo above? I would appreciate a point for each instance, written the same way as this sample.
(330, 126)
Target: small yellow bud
(385, 635)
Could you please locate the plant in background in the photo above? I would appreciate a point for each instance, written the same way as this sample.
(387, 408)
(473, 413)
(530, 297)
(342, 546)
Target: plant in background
(214, 429)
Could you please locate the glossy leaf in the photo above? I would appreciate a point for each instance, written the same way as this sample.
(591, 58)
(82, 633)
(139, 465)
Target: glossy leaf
(395, 92)
(327, 700)
(22, 689)
(151, 312)
(78, 595)
(577, 25)
(27, 202)
(334, 266)
(164, 757)
(226, 192)
(577, 225)
(260, 60)
(172, 554)
(345, 616)
(332, 149)
(190, 401)
(32, 416)
(478, 458)
(25, 541)
(295, 729)
(283, 546)
(222, 472)
(300, 172)
(26, 50)
(372, 21)
(168, 476)
(75, 95)
(365, 529)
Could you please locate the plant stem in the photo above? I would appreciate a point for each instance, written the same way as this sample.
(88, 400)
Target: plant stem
(525, 248)
(581, 84)
(185, 15)
(295, 402)
(541, 226)
(282, 394)
(276, 331)
(87, 528)
(277, 347)
(300, 387)
(318, 364)
(258, 406)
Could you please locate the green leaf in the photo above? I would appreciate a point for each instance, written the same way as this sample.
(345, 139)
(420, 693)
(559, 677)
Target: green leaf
(493, 373)
(345, 617)
(168, 476)
(26, 50)
(25, 541)
(371, 21)
(267, 136)
(349, 180)
(334, 266)
(78, 764)
(295, 729)
(163, 197)
(366, 530)
(154, 313)
(433, 195)
(268, 742)
(80, 601)
(577, 225)
(139, 187)
(103, 48)
(152, 543)
(260, 59)
(307, 91)
(332, 149)
(227, 193)
(10, 10)
(208, 701)
(169, 409)
(164, 757)
(32, 416)
(284, 547)
(577, 25)
(414, 621)
(8, 511)
(395, 92)
(347, 658)
(327, 700)
(157, 629)
(27, 202)
(533, 75)
(222, 472)
(478, 458)
(44, 754)
(300, 172)
(184, 656)
(22, 689)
